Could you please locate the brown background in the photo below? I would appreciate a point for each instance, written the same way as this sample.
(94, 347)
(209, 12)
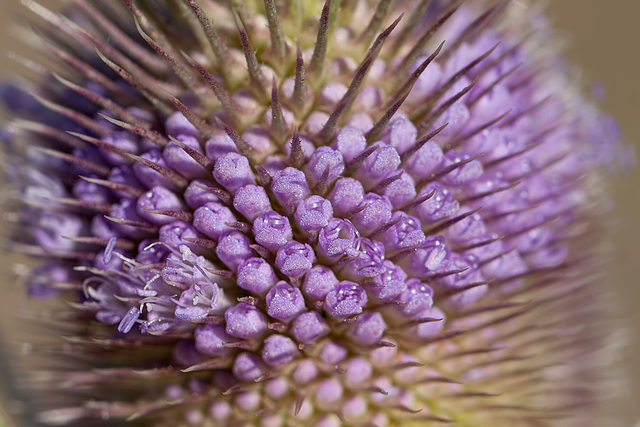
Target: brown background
(604, 39)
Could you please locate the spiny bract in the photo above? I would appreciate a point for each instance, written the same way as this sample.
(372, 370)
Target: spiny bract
(299, 213)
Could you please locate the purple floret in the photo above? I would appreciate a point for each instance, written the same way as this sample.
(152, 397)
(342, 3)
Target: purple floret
(284, 302)
(347, 299)
(309, 327)
(211, 340)
(233, 171)
(213, 218)
(256, 276)
(245, 321)
(248, 366)
(279, 350)
(158, 199)
(367, 329)
(294, 259)
(272, 230)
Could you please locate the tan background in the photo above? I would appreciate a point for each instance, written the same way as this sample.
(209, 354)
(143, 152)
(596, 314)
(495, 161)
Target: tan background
(606, 44)
(604, 39)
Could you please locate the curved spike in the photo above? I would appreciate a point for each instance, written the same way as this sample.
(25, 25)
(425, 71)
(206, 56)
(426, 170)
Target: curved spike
(28, 64)
(79, 118)
(386, 182)
(150, 94)
(329, 129)
(420, 321)
(152, 84)
(296, 157)
(447, 273)
(241, 9)
(376, 21)
(144, 133)
(532, 108)
(360, 158)
(438, 229)
(379, 127)
(220, 273)
(150, 30)
(89, 72)
(449, 84)
(195, 24)
(477, 97)
(406, 365)
(135, 50)
(404, 408)
(415, 18)
(278, 42)
(179, 215)
(227, 102)
(77, 203)
(194, 154)
(243, 147)
(298, 405)
(491, 307)
(173, 59)
(488, 193)
(413, 54)
(218, 47)
(529, 147)
(476, 26)
(417, 201)
(322, 185)
(101, 144)
(205, 243)
(48, 131)
(253, 66)
(261, 251)
(99, 169)
(137, 224)
(431, 118)
(203, 127)
(442, 172)
(406, 87)
(218, 192)
(473, 132)
(114, 186)
(420, 143)
(170, 174)
(278, 124)
(300, 85)
(403, 254)
(322, 42)
(123, 244)
(103, 102)
(264, 178)
(383, 229)
(437, 379)
(240, 226)
(479, 244)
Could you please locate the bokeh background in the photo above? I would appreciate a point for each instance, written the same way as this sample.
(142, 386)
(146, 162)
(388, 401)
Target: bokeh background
(602, 39)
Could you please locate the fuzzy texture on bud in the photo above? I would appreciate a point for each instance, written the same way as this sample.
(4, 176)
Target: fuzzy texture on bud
(374, 227)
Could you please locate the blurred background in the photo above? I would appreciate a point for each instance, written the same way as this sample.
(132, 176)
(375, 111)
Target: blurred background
(602, 40)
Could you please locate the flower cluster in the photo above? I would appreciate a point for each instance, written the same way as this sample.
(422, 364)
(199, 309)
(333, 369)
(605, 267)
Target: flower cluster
(312, 213)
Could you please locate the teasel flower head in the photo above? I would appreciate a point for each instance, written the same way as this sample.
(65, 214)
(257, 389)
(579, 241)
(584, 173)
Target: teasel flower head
(357, 212)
